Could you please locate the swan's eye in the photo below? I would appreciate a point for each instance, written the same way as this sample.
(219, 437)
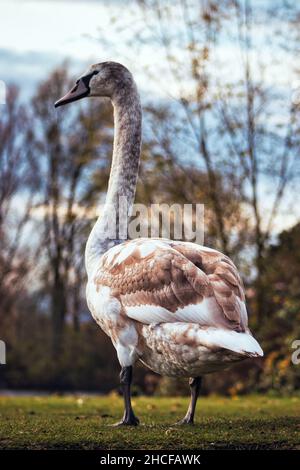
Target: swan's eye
(86, 79)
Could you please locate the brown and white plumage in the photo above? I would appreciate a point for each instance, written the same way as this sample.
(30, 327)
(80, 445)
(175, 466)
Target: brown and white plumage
(176, 306)
(197, 292)
(173, 276)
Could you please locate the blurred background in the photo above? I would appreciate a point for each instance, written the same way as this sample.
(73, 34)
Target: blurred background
(220, 88)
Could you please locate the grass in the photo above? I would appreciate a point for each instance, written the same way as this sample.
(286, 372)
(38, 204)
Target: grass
(70, 422)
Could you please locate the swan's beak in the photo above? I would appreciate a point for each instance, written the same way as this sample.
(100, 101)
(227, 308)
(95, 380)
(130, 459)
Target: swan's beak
(80, 90)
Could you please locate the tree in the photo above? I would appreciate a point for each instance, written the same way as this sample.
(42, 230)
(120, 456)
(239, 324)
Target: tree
(165, 178)
(265, 149)
(68, 145)
(282, 300)
(232, 118)
(17, 182)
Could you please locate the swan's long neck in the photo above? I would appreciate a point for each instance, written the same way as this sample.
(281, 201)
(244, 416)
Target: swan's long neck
(123, 174)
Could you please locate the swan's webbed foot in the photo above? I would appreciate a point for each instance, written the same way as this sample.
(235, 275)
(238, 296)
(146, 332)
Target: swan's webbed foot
(130, 420)
(186, 420)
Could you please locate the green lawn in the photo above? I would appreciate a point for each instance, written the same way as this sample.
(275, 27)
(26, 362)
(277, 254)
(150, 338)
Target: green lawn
(253, 422)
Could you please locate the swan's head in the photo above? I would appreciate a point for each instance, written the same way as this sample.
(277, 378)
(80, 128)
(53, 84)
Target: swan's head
(104, 79)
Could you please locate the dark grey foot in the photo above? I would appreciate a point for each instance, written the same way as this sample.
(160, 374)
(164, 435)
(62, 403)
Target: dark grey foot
(127, 421)
(185, 420)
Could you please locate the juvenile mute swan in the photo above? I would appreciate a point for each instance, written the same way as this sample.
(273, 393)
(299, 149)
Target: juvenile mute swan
(177, 307)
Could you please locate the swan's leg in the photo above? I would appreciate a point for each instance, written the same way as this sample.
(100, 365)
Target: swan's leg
(195, 385)
(127, 355)
(124, 336)
(129, 417)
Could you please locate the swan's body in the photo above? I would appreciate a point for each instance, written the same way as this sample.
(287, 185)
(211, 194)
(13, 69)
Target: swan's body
(176, 306)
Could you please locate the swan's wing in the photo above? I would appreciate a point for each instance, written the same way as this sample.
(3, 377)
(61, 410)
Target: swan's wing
(157, 282)
(224, 278)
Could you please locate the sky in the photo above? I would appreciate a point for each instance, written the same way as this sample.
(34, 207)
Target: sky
(37, 35)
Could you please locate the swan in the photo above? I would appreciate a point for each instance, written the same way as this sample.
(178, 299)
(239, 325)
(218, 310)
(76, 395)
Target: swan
(176, 306)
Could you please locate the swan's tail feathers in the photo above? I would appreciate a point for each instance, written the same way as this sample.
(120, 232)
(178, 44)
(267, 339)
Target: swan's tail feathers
(241, 343)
